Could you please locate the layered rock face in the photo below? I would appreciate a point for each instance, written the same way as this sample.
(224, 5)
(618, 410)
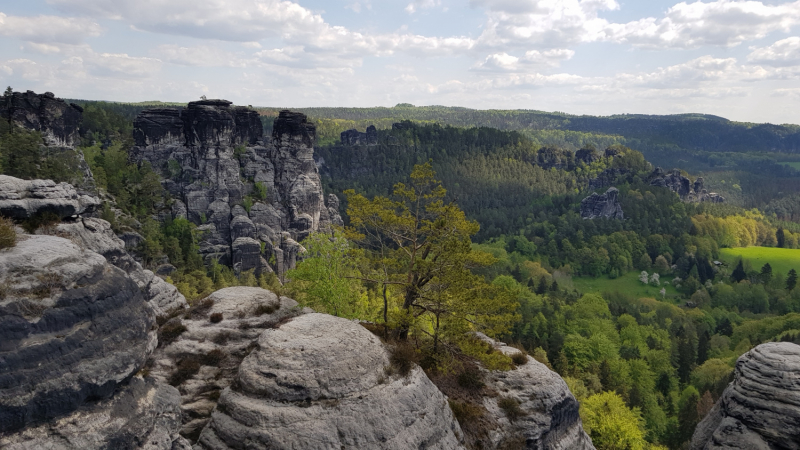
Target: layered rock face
(602, 206)
(214, 349)
(355, 137)
(22, 199)
(760, 409)
(318, 382)
(587, 155)
(686, 190)
(72, 328)
(254, 197)
(551, 417)
(54, 118)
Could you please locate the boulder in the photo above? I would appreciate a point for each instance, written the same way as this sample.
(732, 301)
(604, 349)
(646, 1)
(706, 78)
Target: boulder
(550, 416)
(72, 328)
(760, 409)
(144, 414)
(217, 348)
(22, 199)
(605, 206)
(318, 381)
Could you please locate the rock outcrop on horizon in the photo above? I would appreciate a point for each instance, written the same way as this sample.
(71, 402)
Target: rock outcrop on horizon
(319, 381)
(605, 206)
(57, 120)
(355, 137)
(686, 190)
(760, 409)
(253, 197)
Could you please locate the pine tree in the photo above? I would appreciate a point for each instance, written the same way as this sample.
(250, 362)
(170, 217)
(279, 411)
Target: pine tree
(766, 273)
(739, 273)
(791, 280)
(542, 288)
(780, 236)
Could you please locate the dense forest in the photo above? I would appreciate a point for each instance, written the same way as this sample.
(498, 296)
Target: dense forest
(656, 341)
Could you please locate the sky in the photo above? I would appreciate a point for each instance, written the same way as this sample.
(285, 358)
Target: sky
(736, 59)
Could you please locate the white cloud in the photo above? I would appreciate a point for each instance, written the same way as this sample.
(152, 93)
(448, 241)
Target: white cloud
(48, 29)
(417, 5)
(198, 56)
(783, 53)
(724, 23)
(531, 60)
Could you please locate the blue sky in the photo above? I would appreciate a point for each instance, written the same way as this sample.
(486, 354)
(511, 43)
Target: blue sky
(736, 59)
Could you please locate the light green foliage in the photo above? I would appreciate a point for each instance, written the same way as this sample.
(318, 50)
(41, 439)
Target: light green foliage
(327, 277)
(260, 190)
(419, 245)
(611, 424)
(247, 203)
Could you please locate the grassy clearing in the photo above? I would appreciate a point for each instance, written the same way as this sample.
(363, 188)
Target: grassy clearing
(793, 164)
(627, 284)
(781, 259)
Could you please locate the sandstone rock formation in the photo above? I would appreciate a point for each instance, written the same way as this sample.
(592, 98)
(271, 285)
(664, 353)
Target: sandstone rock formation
(318, 382)
(549, 157)
(607, 178)
(606, 206)
(54, 118)
(760, 409)
(210, 352)
(72, 328)
(587, 155)
(686, 190)
(244, 190)
(550, 418)
(142, 415)
(355, 137)
(22, 199)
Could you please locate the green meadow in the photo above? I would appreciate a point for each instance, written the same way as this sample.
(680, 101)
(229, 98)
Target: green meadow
(626, 284)
(794, 164)
(781, 259)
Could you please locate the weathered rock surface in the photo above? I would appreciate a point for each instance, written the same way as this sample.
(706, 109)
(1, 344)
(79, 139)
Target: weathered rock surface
(143, 414)
(72, 328)
(217, 349)
(21, 199)
(604, 206)
(587, 155)
(355, 137)
(549, 157)
(318, 382)
(607, 178)
(212, 155)
(551, 417)
(54, 118)
(686, 190)
(760, 409)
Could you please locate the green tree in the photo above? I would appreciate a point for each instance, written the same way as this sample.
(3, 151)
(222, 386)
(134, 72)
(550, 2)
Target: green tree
(611, 424)
(738, 273)
(766, 273)
(326, 279)
(420, 245)
(780, 237)
(791, 280)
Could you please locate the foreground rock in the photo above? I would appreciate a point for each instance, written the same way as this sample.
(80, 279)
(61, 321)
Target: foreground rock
(72, 328)
(760, 409)
(219, 333)
(319, 382)
(549, 417)
(22, 199)
(142, 415)
(214, 160)
(605, 206)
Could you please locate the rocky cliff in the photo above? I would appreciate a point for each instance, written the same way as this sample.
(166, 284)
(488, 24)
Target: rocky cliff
(760, 409)
(355, 137)
(253, 196)
(684, 187)
(54, 118)
(602, 206)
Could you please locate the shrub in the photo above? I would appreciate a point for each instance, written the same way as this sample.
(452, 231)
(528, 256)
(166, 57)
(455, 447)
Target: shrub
(200, 309)
(222, 338)
(511, 408)
(8, 235)
(186, 368)
(471, 379)
(213, 358)
(170, 331)
(519, 359)
(45, 219)
(265, 309)
(465, 412)
(403, 356)
(215, 318)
